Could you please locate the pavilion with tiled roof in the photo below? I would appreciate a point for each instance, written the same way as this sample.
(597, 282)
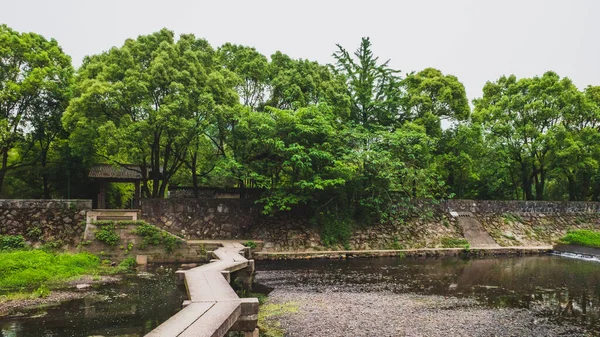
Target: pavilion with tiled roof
(107, 173)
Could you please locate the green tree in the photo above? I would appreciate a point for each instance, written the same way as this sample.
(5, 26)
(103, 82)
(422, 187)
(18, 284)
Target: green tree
(35, 78)
(519, 116)
(301, 83)
(431, 97)
(252, 69)
(374, 89)
(292, 154)
(144, 103)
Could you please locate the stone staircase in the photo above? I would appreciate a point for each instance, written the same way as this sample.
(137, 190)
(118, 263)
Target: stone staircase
(473, 231)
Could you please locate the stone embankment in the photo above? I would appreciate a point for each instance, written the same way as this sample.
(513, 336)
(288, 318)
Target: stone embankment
(46, 221)
(508, 223)
(418, 253)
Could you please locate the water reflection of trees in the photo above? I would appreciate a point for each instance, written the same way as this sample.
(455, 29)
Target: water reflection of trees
(565, 289)
(130, 308)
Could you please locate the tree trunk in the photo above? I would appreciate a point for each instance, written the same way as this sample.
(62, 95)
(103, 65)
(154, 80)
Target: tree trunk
(526, 181)
(3, 169)
(194, 175)
(540, 183)
(572, 188)
(45, 180)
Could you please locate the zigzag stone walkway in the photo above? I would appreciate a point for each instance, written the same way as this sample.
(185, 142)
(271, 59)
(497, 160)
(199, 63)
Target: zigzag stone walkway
(213, 307)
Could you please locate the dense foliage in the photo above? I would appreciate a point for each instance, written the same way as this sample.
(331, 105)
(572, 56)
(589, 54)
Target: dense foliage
(581, 237)
(9, 242)
(343, 140)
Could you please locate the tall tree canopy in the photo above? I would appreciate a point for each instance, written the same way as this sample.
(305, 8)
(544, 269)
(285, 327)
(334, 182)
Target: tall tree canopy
(347, 140)
(432, 96)
(35, 80)
(374, 88)
(522, 116)
(146, 102)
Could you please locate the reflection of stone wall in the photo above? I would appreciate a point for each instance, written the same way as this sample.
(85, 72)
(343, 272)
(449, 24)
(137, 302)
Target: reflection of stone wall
(517, 206)
(44, 220)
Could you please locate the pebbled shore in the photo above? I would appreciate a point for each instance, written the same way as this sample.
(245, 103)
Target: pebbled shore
(342, 314)
(367, 299)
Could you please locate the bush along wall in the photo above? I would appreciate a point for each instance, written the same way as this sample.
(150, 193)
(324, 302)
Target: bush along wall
(120, 240)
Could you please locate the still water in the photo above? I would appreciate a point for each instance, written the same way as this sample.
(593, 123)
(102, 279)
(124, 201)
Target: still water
(564, 289)
(130, 308)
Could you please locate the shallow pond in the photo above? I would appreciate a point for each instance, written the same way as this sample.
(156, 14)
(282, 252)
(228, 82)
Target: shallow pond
(564, 290)
(132, 307)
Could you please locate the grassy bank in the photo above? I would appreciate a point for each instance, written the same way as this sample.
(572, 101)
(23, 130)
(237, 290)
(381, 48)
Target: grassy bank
(581, 237)
(35, 271)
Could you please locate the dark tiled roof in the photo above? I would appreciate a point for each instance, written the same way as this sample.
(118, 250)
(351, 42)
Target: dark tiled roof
(107, 171)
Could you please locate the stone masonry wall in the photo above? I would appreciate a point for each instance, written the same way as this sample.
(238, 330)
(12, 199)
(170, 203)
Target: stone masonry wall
(518, 206)
(201, 218)
(241, 219)
(60, 221)
(535, 223)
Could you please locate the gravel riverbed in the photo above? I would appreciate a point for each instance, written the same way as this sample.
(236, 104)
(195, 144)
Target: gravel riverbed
(379, 314)
(538, 296)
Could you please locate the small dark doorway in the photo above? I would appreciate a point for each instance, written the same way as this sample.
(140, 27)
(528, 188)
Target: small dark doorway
(103, 174)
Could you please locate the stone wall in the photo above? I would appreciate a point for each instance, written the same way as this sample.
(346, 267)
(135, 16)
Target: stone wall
(517, 206)
(241, 219)
(59, 221)
(536, 223)
(201, 218)
(534, 229)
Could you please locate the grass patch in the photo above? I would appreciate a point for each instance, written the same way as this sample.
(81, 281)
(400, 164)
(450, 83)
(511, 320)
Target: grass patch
(581, 237)
(267, 324)
(41, 292)
(454, 243)
(36, 269)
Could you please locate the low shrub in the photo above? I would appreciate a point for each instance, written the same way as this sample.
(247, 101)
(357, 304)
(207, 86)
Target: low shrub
(250, 244)
(53, 245)
(129, 264)
(34, 233)
(581, 237)
(9, 242)
(154, 236)
(106, 233)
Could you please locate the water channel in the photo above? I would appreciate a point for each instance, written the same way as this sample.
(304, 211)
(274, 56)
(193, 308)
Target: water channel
(560, 291)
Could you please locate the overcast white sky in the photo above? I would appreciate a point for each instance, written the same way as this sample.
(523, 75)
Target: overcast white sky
(476, 40)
